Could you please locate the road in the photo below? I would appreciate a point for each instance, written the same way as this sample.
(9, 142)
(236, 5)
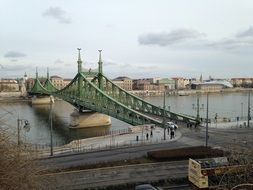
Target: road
(225, 138)
(130, 174)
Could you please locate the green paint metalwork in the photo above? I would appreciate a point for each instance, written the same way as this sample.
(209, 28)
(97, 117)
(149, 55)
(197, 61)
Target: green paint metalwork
(49, 86)
(112, 101)
(138, 104)
(92, 98)
(39, 89)
(103, 96)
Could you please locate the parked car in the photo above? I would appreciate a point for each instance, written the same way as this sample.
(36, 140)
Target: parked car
(172, 125)
(147, 187)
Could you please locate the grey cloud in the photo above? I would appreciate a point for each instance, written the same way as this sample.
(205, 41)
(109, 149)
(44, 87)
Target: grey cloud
(110, 63)
(18, 68)
(242, 41)
(58, 61)
(147, 67)
(247, 33)
(232, 43)
(124, 65)
(14, 54)
(165, 39)
(58, 14)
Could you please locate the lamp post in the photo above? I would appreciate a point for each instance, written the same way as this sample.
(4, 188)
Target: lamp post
(249, 118)
(198, 108)
(51, 127)
(26, 126)
(207, 101)
(164, 129)
(241, 111)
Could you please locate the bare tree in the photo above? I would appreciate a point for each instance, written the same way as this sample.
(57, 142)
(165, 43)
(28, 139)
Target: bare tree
(18, 170)
(240, 176)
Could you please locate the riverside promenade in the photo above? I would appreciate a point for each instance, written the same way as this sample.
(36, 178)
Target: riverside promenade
(137, 136)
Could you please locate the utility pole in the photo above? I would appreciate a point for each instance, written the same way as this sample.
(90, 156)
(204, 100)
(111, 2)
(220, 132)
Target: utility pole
(207, 102)
(18, 126)
(241, 111)
(164, 129)
(249, 108)
(51, 128)
(197, 107)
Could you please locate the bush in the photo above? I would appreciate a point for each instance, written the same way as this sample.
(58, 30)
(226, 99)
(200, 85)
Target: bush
(184, 153)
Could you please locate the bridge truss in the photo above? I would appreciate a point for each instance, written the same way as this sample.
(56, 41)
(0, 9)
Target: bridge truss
(101, 95)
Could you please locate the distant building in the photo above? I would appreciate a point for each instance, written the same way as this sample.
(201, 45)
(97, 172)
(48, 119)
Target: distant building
(242, 82)
(67, 81)
(211, 85)
(9, 85)
(124, 82)
(181, 83)
(169, 84)
(57, 81)
(152, 84)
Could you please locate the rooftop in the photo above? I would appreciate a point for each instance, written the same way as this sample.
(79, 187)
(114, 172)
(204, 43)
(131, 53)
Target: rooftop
(122, 78)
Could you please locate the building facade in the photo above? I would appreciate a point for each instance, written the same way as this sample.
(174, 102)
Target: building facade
(169, 84)
(9, 85)
(124, 82)
(242, 82)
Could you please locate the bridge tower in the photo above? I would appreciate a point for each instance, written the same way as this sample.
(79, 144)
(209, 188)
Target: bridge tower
(47, 73)
(100, 71)
(79, 62)
(37, 73)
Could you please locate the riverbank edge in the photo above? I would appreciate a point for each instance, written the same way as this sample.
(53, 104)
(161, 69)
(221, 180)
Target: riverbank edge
(187, 92)
(16, 96)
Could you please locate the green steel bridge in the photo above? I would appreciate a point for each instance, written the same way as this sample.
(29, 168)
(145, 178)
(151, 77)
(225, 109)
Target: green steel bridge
(92, 90)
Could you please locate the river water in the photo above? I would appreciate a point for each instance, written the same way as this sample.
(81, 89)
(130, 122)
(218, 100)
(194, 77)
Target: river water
(229, 105)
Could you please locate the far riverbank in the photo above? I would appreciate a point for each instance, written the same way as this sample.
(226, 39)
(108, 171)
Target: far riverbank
(187, 92)
(18, 96)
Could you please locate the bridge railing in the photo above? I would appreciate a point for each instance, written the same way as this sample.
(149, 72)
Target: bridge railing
(139, 104)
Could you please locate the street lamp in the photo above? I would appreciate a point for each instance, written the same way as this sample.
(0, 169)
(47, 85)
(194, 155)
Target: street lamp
(207, 102)
(22, 123)
(198, 108)
(241, 111)
(164, 128)
(51, 126)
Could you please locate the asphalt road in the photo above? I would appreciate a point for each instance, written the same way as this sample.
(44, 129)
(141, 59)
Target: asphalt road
(224, 138)
(130, 174)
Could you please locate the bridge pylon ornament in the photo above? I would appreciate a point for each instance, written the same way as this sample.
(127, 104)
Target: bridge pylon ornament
(79, 61)
(100, 71)
(37, 73)
(47, 73)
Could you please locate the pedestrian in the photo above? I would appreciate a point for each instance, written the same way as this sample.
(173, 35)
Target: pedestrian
(151, 134)
(147, 136)
(172, 133)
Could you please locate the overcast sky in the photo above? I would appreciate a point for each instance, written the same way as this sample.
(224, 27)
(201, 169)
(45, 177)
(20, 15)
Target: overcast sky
(139, 38)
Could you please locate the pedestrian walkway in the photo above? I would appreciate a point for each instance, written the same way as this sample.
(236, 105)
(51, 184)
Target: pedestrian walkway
(137, 136)
(229, 125)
